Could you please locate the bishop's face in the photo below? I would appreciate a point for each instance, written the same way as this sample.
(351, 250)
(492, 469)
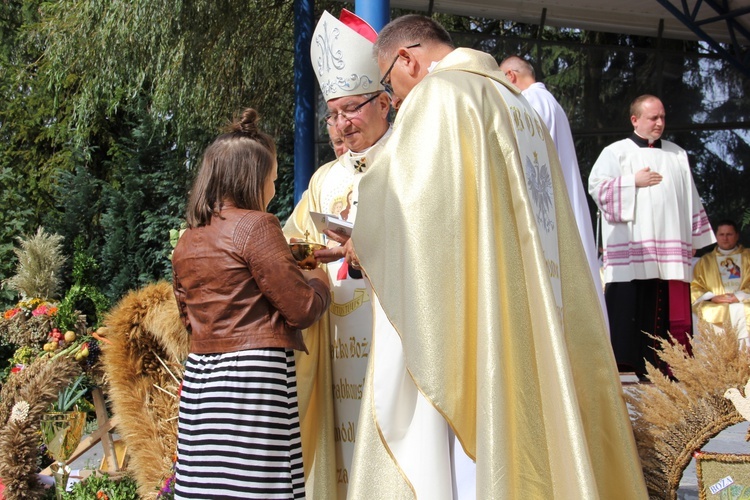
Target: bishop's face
(358, 122)
(650, 123)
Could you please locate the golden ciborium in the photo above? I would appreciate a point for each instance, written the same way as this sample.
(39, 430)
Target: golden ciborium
(303, 251)
(61, 433)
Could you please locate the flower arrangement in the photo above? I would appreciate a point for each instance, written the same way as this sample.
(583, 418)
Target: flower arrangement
(29, 322)
(44, 310)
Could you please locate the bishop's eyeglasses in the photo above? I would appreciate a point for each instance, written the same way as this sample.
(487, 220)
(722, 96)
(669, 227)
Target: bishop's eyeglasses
(348, 113)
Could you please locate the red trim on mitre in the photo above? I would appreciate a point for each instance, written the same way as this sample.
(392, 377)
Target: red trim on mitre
(358, 24)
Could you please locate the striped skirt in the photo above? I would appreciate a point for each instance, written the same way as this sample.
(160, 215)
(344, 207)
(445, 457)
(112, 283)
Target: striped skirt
(238, 432)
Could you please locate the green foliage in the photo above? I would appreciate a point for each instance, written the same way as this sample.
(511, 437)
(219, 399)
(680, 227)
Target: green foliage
(14, 220)
(106, 108)
(6, 352)
(96, 487)
(23, 355)
(143, 201)
(85, 299)
(40, 259)
(198, 61)
(282, 204)
(32, 122)
(68, 398)
(84, 265)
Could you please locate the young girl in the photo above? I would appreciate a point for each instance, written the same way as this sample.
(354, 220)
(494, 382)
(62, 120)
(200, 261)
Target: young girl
(244, 300)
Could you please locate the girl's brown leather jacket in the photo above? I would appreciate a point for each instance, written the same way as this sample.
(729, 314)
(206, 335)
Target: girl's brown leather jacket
(238, 287)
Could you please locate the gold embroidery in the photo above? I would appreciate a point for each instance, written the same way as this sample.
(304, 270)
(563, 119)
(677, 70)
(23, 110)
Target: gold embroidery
(360, 297)
(529, 123)
(516, 114)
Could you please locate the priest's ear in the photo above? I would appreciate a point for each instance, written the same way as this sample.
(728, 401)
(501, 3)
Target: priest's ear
(409, 61)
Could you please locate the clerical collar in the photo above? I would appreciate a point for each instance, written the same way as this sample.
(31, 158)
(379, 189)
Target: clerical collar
(643, 143)
(726, 252)
(358, 162)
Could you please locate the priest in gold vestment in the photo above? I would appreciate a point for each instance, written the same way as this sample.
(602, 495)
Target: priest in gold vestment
(720, 290)
(491, 374)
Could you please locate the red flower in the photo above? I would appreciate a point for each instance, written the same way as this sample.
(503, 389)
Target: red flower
(40, 311)
(11, 312)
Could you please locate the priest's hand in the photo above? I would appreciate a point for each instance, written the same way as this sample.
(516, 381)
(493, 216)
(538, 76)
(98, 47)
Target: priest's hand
(339, 237)
(335, 253)
(351, 255)
(727, 298)
(646, 178)
(330, 254)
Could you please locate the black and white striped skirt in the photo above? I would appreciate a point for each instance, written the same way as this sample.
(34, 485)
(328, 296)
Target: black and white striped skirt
(238, 432)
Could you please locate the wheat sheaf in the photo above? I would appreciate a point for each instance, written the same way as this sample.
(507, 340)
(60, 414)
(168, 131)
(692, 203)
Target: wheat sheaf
(673, 417)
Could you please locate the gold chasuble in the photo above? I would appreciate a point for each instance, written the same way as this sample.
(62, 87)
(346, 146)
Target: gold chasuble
(717, 273)
(314, 373)
(486, 321)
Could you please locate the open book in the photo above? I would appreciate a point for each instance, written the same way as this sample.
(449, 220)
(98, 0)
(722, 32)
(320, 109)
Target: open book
(328, 221)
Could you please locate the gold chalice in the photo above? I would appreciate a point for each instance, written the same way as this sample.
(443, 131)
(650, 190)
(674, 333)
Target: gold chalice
(302, 251)
(61, 433)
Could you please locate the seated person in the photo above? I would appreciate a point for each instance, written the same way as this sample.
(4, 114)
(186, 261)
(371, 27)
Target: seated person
(720, 290)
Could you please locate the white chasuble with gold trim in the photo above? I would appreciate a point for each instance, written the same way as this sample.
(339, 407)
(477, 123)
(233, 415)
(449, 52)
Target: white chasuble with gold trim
(490, 374)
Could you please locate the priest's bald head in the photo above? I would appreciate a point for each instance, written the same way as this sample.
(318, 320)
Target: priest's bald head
(406, 48)
(648, 117)
(519, 71)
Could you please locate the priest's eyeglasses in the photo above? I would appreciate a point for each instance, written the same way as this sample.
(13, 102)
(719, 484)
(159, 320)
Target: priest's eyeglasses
(349, 113)
(386, 80)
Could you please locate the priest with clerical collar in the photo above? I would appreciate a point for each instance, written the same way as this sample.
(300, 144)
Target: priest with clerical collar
(653, 222)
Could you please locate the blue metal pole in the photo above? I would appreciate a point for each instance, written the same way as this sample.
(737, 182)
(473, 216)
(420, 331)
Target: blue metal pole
(375, 12)
(304, 97)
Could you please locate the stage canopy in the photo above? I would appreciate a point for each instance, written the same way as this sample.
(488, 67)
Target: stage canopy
(712, 21)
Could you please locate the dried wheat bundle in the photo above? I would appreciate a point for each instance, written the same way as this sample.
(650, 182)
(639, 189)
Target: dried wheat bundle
(22, 331)
(143, 363)
(26, 396)
(40, 260)
(673, 418)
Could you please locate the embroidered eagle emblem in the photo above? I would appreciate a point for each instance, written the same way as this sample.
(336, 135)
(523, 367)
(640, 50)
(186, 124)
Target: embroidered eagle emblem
(539, 184)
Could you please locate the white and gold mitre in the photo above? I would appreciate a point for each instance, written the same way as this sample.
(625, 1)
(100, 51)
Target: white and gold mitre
(341, 53)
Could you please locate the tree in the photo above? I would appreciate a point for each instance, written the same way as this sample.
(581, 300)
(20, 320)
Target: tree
(107, 108)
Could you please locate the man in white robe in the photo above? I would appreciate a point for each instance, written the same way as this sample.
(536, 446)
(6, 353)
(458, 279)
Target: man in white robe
(489, 343)
(331, 377)
(521, 73)
(721, 283)
(653, 222)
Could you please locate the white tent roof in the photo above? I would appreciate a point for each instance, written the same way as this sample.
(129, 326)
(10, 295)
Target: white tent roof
(637, 17)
